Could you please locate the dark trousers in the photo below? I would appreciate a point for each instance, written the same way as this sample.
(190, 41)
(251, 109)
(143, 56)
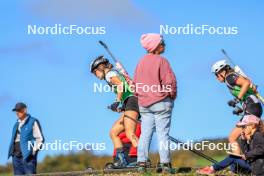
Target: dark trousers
(22, 167)
(237, 165)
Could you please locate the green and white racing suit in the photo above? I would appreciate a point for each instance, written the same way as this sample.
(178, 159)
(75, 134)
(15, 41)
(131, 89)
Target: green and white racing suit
(250, 103)
(129, 101)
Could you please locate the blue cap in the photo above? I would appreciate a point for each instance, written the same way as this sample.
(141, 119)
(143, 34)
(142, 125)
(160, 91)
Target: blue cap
(19, 106)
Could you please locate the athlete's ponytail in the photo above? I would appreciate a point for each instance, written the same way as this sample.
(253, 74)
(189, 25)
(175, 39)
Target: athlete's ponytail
(229, 69)
(109, 65)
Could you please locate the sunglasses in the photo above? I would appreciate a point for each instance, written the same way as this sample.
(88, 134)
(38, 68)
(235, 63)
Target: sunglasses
(163, 43)
(245, 126)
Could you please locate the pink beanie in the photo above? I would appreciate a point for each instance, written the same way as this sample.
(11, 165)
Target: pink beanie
(150, 41)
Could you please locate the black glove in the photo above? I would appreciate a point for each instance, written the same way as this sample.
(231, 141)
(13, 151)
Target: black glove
(237, 111)
(115, 106)
(233, 102)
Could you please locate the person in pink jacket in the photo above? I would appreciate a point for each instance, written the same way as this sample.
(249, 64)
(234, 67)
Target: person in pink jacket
(155, 86)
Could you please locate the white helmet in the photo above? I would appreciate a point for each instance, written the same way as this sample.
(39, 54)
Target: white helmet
(219, 65)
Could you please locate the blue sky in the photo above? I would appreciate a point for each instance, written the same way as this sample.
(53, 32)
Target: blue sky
(50, 73)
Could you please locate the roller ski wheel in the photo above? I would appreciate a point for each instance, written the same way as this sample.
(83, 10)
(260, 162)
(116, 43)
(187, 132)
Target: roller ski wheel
(109, 166)
(89, 169)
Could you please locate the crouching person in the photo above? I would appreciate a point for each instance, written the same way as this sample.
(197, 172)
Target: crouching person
(26, 140)
(251, 144)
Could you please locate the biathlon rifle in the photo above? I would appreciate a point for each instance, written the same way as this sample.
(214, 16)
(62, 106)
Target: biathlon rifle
(238, 70)
(118, 64)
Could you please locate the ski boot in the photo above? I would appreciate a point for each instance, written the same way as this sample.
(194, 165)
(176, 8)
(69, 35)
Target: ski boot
(121, 161)
(165, 168)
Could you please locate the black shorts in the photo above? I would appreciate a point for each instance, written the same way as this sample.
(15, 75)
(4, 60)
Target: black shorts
(131, 104)
(253, 107)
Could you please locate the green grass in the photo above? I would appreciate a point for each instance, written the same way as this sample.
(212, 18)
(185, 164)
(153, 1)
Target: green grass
(200, 162)
(6, 174)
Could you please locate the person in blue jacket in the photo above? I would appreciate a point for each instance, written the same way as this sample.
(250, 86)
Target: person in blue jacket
(27, 139)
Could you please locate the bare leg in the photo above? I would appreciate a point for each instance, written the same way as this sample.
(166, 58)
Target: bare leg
(236, 132)
(117, 128)
(130, 122)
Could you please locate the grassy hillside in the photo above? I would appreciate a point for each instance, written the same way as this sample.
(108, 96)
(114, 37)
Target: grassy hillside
(81, 160)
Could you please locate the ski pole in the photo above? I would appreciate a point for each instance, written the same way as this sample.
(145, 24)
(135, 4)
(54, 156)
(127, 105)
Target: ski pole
(118, 64)
(194, 151)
